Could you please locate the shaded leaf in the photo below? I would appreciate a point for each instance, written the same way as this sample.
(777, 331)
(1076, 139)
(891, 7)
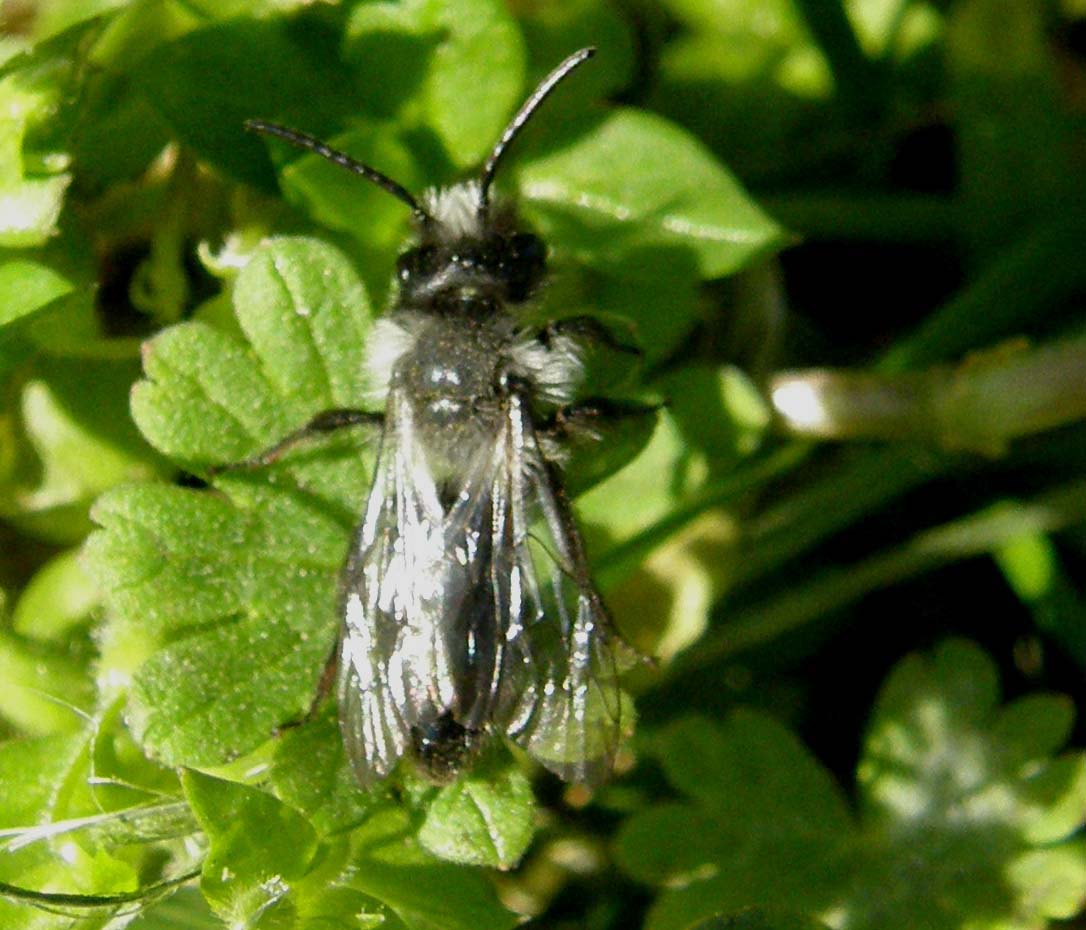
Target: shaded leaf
(603, 215)
(966, 814)
(439, 54)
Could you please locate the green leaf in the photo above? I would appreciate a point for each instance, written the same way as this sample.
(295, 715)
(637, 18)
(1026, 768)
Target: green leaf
(758, 918)
(52, 19)
(553, 30)
(59, 597)
(223, 692)
(261, 68)
(604, 206)
(343, 201)
(721, 413)
(58, 826)
(760, 799)
(482, 47)
(259, 847)
(34, 90)
(422, 892)
(484, 818)
(1034, 569)
(34, 777)
(185, 910)
(47, 687)
(1012, 133)
(306, 314)
(73, 445)
(158, 538)
(310, 772)
(263, 621)
(211, 399)
(965, 812)
(26, 286)
(735, 771)
(397, 51)
(266, 867)
(260, 621)
(938, 741)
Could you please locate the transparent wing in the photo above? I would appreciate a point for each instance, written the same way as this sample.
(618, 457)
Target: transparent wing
(394, 666)
(553, 684)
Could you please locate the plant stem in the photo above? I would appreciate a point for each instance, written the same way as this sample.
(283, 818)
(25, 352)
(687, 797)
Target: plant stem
(978, 533)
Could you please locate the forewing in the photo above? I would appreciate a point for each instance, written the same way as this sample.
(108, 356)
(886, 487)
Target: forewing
(557, 694)
(393, 663)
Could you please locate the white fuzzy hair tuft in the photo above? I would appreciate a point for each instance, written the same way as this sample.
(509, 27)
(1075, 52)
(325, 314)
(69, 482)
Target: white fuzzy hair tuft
(556, 370)
(456, 209)
(389, 341)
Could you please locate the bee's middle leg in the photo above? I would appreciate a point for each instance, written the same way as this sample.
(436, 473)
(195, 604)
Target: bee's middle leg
(325, 422)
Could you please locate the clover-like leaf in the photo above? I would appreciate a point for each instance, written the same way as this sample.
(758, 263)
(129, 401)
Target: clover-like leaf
(759, 798)
(266, 866)
(965, 813)
(422, 891)
(311, 773)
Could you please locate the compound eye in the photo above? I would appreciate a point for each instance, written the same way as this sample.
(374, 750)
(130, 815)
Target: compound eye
(524, 265)
(528, 250)
(416, 263)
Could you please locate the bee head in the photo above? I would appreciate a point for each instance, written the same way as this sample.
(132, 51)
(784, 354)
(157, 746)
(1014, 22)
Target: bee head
(469, 260)
(470, 257)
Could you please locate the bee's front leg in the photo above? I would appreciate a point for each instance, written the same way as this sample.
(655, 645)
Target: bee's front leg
(588, 329)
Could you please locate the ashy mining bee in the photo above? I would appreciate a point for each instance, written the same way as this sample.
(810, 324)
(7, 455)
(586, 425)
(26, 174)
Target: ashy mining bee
(467, 606)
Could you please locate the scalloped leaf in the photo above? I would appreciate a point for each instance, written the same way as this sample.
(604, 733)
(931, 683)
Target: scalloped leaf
(238, 591)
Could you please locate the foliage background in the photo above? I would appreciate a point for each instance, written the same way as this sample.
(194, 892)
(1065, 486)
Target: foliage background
(848, 237)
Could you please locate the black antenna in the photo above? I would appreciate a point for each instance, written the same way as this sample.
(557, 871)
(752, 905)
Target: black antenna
(312, 144)
(523, 115)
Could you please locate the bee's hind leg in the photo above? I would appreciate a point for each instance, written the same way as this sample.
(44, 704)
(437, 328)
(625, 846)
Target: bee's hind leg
(324, 688)
(327, 421)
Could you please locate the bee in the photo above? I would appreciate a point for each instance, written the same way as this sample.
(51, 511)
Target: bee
(468, 610)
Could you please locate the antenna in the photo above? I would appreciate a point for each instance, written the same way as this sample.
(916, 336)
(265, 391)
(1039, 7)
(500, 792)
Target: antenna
(312, 144)
(523, 115)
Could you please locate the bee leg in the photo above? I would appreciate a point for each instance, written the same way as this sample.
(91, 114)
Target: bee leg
(324, 688)
(595, 437)
(589, 329)
(590, 418)
(328, 421)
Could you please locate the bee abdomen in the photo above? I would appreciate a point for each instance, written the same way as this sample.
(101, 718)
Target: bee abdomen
(442, 749)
